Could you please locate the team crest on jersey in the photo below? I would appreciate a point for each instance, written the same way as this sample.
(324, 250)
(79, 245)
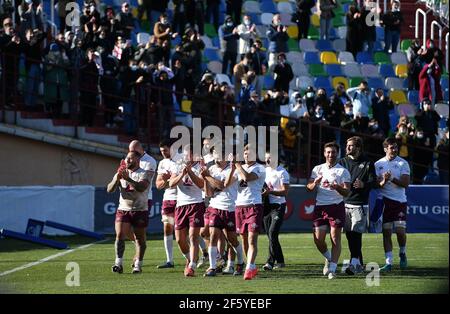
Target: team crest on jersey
(326, 183)
(361, 166)
(230, 224)
(196, 220)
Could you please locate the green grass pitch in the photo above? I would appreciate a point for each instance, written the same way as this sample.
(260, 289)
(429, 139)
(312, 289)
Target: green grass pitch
(428, 257)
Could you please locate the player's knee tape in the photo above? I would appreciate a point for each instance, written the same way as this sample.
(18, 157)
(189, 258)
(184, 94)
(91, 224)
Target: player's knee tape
(168, 219)
(322, 227)
(394, 224)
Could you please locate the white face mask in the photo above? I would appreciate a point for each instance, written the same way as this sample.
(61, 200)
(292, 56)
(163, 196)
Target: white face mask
(420, 135)
(92, 8)
(310, 94)
(230, 24)
(247, 22)
(350, 113)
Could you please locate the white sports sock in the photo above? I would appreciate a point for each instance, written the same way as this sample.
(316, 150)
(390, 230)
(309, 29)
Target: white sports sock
(212, 256)
(230, 263)
(250, 266)
(239, 254)
(186, 256)
(389, 258)
(403, 250)
(138, 262)
(327, 255)
(193, 265)
(118, 261)
(168, 245)
(202, 243)
(355, 261)
(332, 267)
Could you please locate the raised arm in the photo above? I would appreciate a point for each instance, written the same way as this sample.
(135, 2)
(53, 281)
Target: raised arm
(112, 186)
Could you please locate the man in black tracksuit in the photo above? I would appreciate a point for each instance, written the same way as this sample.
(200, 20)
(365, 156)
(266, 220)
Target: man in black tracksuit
(363, 179)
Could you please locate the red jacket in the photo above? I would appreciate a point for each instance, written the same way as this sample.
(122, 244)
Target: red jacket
(424, 83)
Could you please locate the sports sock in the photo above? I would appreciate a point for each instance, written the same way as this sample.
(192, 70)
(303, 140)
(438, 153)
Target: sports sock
(168, 245)
(332, 267)
(403, 250)
(355, 261)
(202, 244)
(230, 263)
(239, 254)
(212, 256)
(118, 261)
(327, 255)
(251, 266)
(193, 265)
(389, 258)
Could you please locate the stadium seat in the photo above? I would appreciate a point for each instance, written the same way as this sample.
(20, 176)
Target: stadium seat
(215, 66)
(300, 69)
(286, 19)
(401, 70)
(322, 82)
(413, 97)
(328, 57)
(380, 33)
(207, 41)
(294, 57)
(324, 45)
(211, 54)
(355, 81)
(255, 18)
(293, 44)
(315, 20)
(352, 70)
(251, 7)
(444, 82)
(345, 57)
(338, 21)
(381, 57)
(268, 82)
(339, 79)
(268, 6)
(339, 10)
(215, 42)
(394, 83)
(210, 30)
(186, 106)
(304, 81)
(285, 7)
(293, 84)
(307, 45)
(399, 58)
(313, 33)
(405, 44)
(334, 70)
(143, 38)
(317, 70)
(292, 31)
(311, 57)
(262, 31)
(369, 70)
(342, 32)
(386, 70)
(375, 83)
(177, 41)
(405, 109)
(398, 96)
(339, 45)
(223, 78)
(364, 57)
(266, 18)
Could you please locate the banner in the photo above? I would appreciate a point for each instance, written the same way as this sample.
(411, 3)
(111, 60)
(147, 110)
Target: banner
(71, 205)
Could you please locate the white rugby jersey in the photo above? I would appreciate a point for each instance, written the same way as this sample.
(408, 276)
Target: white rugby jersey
(148, 163)
(130, 199)
(275, 178)
(398, 167)
(250, 192)
(325, 195)
(187, 191)
(225, 199)
(165, 166)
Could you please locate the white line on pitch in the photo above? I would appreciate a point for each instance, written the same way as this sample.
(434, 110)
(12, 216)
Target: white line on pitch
(48, 258)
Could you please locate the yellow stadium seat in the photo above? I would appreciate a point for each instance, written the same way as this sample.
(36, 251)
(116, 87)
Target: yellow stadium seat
(134, 12)
(284, 121)
(398, 96)
(186, 106)
(401, 70)
(292, 31)
(315, 20)
(340, 79)
(328, 57)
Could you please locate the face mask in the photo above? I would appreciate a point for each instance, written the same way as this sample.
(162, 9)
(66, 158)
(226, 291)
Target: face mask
(395, 9)
(244, 83)
(165, 22)
(319, 113)
(420, 135)
(282, 61)
(134, 68)
(247, 22)
(374, 126)
(277, 23)
(123, 46)
(102, 36)
(350, 113)
(429, 71)
(230, 24)
(310, 94)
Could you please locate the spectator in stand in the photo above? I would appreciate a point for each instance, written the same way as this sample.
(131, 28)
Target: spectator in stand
(179, 15)
(89, 77)
(30, 13)
(368, 30)
(297, 109)
(360, 96)
(240, 70)
(157, 8)
(290, 136)
(201, 104)
(278, 37)
(125, 20)
(109, 88)
(212, 8)
(347, 123)
(259, 65)
(271, 107)
(303, 17)
(414, 64)
(249, 107)
(193, 46)
(381, 105)
(336, 109)
(56, 83)
(152, 53)
(422, 156)
(163, 34)
(392, 22)
(33, 55)
(404, 140)
(325, 9)
(432, 52)
(283, 74)
(430, 82)
(144, 6)
(233, 9)
(62, 13)
(309, 99)
(179, 71)
(353, 39)
(248, 33)
(228, 36)
(442, 160)
(110, 24)
(165, 102)
(428, 120)
(323, 101)
(196, 15)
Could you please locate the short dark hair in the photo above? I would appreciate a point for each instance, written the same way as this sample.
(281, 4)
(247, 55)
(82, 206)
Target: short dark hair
(389, 141)
(357, 140)
(167, 143)
(331, 144)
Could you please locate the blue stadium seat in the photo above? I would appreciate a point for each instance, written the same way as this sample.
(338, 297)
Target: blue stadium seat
(364, 57)
(444, 82)
(268, 82)
(216, 42)
(324, 45)
(375, 83)
(378, 46)
(413, 97)
(322, 82)
(268, 6)
(312, 58)
(176, 41)
(386, 70)
(334, 70)
(446, 98)
(255, 18)
(211, 54)
(380, 33)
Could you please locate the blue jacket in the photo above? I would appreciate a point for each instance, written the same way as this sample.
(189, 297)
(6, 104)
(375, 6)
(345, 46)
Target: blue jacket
(277, 40)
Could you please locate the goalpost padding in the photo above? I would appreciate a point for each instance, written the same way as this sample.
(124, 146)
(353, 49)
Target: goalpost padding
(24, 237)
(79, 231)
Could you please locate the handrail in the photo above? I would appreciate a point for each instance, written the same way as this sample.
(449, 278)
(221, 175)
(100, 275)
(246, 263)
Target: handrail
(424, 33)
(446, 52)
(439, 26)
